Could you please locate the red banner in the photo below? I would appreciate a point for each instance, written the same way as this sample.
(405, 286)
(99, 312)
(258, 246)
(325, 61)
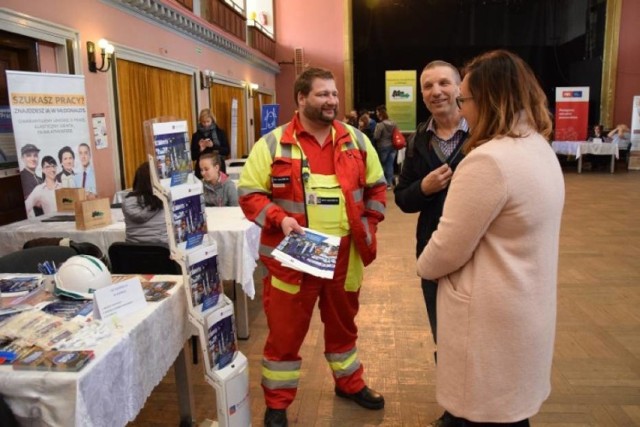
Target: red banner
(572, 113)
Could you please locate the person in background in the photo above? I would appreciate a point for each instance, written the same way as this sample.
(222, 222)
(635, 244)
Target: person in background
(598, 162)
(314, 154)
(144, 217)
(382, 137)
(67, 158)
(86, 177)
(495, 251)
(43, 195)
(621, 135)
(352, 118)
(209, 138)
(367, 125)
(28, 177)
(433, 153)
(219, 190)
(598, 134)
(372, 121)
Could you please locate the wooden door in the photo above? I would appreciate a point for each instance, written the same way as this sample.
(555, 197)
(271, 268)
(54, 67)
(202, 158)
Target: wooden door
(16, 53)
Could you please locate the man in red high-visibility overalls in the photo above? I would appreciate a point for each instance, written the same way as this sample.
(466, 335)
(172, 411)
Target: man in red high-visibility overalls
(320, 173)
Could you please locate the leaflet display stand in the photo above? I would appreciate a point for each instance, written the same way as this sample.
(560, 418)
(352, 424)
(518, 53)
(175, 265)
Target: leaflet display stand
(210, 311)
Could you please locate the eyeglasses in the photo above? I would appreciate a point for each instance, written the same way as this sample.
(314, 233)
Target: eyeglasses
(461, 100)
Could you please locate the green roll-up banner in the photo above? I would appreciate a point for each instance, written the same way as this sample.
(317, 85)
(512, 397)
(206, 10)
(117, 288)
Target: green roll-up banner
(401, 98)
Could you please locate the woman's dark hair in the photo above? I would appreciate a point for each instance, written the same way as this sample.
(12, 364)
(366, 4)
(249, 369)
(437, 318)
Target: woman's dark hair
(47, 160)
(143, 190)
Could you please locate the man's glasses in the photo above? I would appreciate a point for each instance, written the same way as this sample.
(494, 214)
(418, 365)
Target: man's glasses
(461, 100)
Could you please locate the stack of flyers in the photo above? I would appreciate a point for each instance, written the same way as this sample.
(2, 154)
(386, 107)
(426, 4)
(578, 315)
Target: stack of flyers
(37, 328)
(156, 291)
(10, 351)
(16, 285)
(204, 280)
(221, 337)
(172, 153)
(54, 360)
(313, 252)
(188, 215)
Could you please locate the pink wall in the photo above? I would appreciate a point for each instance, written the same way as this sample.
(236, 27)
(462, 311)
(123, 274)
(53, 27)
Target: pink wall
(93, 20)
(317, 29)
(628, 75)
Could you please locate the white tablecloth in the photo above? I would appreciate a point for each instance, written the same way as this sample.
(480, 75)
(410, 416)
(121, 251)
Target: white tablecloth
(237, 239)
(112, 388)
(578, 148)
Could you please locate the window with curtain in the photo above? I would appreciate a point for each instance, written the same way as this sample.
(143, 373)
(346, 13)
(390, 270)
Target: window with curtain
(146, 92)
(222, 96)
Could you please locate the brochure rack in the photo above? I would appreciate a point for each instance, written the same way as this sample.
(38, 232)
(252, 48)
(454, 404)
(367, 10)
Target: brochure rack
(209, 311)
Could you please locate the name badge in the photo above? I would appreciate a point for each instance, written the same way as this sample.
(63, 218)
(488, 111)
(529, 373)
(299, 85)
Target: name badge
(280, 181)
(328, 200)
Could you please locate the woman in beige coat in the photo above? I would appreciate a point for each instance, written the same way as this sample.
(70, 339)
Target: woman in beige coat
(495, 252)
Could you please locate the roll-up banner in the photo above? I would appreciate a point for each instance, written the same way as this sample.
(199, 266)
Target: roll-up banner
(401, 98)
(572, 113)
(51, 130)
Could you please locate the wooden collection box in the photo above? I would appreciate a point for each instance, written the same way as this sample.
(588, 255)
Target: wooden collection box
(93, 214)
(66, 198)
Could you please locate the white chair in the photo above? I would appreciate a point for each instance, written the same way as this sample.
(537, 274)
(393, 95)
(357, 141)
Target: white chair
(234, 167)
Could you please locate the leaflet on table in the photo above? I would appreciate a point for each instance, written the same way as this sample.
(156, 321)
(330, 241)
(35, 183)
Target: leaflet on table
(204, 279)
(17, 285)
(188, 215)
(54, 360)
(79, 310)
(313, 252)
(221, 336)
(6, 312)
(156, 291)
(172, 152)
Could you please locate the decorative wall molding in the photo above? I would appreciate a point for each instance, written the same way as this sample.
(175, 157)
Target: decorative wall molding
(177, 20)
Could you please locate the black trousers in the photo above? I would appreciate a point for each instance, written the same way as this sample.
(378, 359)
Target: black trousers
(429, 291)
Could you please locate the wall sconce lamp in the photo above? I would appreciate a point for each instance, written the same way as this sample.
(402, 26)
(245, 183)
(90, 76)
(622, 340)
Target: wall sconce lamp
(252, 88)
(106, 50)
(206, 79)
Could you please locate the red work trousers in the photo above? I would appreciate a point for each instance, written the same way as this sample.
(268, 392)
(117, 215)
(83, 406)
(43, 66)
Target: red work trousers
(288, 318)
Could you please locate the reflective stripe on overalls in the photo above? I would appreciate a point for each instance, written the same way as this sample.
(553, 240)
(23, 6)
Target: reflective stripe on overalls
(326, 212)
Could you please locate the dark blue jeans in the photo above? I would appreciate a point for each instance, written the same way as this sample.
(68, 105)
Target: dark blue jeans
(387, 156)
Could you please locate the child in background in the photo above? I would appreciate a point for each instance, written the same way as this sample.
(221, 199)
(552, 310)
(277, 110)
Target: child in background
(219, 190)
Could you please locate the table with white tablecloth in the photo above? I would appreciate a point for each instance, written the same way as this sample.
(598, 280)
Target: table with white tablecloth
(579, 148)
(238, 241)
(236, 237)
(112, 389)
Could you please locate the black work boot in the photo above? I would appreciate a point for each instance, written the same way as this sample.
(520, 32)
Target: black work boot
(367, 398)
(275, 418)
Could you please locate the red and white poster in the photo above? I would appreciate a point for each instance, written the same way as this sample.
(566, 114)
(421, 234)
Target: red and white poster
(572, 113)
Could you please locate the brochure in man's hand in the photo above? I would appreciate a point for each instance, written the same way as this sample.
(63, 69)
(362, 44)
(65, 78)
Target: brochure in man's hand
(312, 252)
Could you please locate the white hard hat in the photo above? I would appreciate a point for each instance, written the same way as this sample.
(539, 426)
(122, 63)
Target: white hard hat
(80, 276)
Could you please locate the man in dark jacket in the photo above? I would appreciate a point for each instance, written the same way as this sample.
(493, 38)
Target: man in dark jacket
(433, 153)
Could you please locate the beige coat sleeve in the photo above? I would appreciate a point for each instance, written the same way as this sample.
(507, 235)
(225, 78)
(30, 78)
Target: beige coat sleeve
(477, 194)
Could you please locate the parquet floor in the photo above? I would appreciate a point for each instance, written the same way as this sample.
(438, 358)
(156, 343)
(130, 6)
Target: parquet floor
(596, 370)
